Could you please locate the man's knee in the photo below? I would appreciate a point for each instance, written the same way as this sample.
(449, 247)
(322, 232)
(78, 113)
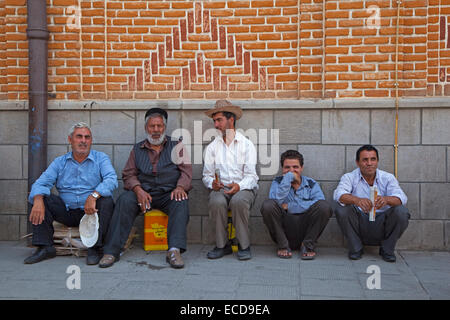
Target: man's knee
(401, 213)
(239, 203)
(180, 206)
(105, 203)
(268, 206)
(216, 199)
(341, 212)
(324, 207)
(127, 198)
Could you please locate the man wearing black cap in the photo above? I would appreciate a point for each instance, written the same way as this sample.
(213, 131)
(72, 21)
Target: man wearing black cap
(153, 179)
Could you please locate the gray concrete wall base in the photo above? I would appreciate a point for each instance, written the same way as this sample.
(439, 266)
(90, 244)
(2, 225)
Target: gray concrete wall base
(327, 132)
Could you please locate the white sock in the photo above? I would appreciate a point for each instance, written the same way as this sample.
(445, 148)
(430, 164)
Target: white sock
(174, 249)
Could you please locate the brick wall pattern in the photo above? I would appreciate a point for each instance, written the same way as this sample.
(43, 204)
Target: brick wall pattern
(260, 49)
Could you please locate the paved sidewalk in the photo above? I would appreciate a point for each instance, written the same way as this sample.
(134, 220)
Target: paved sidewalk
(420, 275)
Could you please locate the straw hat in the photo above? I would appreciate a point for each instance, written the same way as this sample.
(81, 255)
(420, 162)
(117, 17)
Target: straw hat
(89, 229)
(225, 105)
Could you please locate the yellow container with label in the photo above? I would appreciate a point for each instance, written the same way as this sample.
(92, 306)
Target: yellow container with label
(155, 230)
(232, 233)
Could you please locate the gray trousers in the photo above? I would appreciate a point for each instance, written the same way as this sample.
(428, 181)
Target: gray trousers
(291, 230)
(384, 231)
(126, 211)
(240, 204)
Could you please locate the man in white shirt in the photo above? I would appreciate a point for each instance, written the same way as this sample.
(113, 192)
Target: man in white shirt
(233, 157)
(353, 205)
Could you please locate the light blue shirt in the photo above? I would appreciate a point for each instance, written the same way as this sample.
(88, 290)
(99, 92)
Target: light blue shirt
(76, 181)
(354, 183)
(299, 200)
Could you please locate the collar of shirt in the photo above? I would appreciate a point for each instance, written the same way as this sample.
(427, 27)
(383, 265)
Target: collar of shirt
(90, 156)
(375, 181)
(237, 137)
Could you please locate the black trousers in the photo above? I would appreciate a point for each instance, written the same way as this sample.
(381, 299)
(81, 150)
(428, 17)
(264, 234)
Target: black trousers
(126, 211)
(384, 231)
(55, 210)
(291, 230)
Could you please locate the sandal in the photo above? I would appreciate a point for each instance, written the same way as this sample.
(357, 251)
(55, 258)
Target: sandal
(284, 253)
(306, 253)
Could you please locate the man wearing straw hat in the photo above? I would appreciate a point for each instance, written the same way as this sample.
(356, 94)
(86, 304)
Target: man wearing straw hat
(85, 180)
(230, 173)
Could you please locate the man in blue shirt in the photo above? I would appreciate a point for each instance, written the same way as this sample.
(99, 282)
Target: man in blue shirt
(353, 204)
(296, 212)
(85, 180)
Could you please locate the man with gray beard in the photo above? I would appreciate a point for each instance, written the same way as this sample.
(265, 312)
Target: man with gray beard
(157, 175)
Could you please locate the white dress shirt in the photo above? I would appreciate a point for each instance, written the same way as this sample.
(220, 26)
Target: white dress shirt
(354, 183)
(236, 162)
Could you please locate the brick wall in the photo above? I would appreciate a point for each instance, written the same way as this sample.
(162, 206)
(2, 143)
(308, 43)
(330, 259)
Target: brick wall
(261, 49)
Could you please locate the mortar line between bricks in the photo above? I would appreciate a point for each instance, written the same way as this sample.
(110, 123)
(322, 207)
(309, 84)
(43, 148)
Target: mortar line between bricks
(415, 275)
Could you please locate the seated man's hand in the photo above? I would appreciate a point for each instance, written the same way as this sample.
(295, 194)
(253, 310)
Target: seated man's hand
(284, 206)
(178, 194)
(380, 202)
(216, 185)
(144, 199)
(365, 204)
(37, 211)
(296, 177)
(233, 188)
(89, 205)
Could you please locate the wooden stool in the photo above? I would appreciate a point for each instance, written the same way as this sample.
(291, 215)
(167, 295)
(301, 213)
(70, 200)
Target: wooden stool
(155, 230)
(232, 233)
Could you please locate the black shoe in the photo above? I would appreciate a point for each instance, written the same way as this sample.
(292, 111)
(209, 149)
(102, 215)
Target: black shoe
(41, 253)
(217, 253)
(94, 256)
(244, 254)
(386, 256)
(355, 255)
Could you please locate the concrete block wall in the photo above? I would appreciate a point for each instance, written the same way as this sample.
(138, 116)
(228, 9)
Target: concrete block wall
(326, 132)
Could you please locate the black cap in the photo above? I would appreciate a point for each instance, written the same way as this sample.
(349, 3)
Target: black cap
(156, 110)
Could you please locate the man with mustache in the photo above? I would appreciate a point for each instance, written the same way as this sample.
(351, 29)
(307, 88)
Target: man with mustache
(157, 175)
(353, 205)
(85, 180)
(234, 156)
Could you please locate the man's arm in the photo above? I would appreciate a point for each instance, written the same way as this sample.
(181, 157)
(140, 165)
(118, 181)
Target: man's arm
(185, 179)
(343, 194)
(130, 173)
(108, 175)
(42, 187)
(250, 178)
(317, 193)
(44, 184)
(280, 191)
(104, 188)
(208, 167)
